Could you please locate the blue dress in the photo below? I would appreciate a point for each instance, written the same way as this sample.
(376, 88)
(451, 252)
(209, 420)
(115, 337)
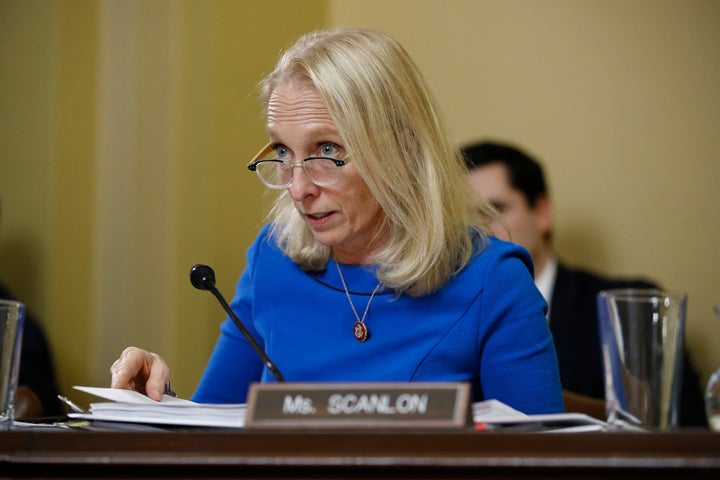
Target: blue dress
(486, 326)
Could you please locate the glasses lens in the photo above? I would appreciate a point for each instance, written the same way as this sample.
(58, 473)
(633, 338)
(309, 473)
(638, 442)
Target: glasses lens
(274, 173)
(323, 171)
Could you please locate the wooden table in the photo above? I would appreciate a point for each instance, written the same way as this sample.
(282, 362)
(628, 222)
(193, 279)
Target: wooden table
(361, 453)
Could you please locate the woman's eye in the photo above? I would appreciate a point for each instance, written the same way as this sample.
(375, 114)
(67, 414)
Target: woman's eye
(281, 152)
(329, 150)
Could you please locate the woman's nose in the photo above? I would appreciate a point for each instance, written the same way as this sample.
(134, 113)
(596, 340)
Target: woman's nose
(301, 186)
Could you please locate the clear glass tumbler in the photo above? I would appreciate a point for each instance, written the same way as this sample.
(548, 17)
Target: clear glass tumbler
(712, 394)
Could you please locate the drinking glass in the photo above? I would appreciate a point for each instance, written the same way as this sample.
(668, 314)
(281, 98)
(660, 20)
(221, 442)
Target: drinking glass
(712, 394)
(12, 315)
(641, 333)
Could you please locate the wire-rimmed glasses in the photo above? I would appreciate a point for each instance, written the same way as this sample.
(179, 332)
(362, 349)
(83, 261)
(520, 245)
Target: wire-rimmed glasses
(277, 174)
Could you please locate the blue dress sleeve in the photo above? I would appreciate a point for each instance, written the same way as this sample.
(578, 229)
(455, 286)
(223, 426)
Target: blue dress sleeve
(519, 364)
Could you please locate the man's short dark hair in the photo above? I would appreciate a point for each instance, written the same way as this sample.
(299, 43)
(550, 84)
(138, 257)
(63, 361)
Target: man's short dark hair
(524, 172)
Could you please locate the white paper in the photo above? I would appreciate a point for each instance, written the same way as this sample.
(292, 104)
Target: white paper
(491, 410)
(133, 407)
(130, 396)
(495, 415)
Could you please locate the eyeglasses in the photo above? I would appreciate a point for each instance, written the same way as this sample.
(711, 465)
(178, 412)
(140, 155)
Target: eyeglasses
(277, 174)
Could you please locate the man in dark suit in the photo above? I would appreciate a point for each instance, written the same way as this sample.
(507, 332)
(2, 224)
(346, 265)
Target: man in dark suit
(514, 184)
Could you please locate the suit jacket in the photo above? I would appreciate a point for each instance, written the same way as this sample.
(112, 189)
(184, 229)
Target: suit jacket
(574, 325)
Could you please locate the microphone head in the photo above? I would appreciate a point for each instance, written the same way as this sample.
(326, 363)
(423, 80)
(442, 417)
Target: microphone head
(202, 277)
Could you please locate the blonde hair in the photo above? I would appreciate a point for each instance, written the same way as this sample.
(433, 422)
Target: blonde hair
(399, 144)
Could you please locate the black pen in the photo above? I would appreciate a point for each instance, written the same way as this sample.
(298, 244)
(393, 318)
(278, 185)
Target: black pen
(71, 404)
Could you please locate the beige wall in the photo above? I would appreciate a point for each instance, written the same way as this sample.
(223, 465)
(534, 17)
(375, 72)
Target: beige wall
(620, 99)
(126, 129)
(126, 126)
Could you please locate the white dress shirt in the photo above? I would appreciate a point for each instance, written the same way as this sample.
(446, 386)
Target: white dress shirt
(546, 281)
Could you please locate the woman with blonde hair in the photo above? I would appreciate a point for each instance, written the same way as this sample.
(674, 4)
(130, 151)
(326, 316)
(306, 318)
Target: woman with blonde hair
(375, 263)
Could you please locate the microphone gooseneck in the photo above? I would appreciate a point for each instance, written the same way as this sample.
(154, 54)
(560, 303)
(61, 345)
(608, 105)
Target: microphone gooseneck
(202, 277)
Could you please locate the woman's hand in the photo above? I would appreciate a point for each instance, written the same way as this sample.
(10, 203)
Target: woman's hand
(142, 371)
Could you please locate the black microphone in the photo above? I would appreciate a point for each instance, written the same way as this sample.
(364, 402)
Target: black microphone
(203, 278)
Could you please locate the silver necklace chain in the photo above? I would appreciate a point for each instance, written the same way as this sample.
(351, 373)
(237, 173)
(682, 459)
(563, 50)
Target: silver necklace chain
(360, 320)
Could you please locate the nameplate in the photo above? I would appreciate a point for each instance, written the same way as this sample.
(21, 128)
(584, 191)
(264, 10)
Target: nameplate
(372, 405)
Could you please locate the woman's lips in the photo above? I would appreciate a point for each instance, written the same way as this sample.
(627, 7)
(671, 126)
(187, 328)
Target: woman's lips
(317, 220)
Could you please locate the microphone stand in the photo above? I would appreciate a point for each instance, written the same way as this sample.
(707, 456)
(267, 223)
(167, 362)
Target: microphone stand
(203, 278)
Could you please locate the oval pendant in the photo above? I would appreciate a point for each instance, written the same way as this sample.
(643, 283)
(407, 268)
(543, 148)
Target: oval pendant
(360, 331)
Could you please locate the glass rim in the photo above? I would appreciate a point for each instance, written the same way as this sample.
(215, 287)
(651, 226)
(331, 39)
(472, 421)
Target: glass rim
(11, 303)
(640, 293)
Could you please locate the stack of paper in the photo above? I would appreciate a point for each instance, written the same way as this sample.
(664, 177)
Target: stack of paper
(134, 407)
(492, 410)
(492, 414)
